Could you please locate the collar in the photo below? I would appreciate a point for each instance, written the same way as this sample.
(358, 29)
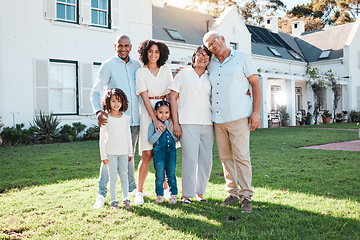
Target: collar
(120, 60)
(232, 54)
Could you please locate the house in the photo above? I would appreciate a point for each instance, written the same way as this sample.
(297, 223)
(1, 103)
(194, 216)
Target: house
(282, 59)
(51, 50)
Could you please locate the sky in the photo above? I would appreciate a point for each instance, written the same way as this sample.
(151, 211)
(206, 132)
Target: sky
(289, 3)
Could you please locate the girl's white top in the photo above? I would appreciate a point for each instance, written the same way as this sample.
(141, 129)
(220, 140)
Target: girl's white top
(115, 137)
(194, 106)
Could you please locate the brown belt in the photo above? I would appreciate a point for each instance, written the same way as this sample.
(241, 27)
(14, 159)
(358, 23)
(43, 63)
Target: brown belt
(158, 97)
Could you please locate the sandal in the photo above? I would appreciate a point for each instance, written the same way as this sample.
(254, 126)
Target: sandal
(186, 200)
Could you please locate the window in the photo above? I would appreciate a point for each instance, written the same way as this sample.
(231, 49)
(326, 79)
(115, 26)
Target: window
(294, 55)
(174, 34)
(325, 54)
(274, 51)
(63, 97)
(298, 99)
(274, 90)
(95, 71)
(67, 10)
(100, 13)
(233, 45)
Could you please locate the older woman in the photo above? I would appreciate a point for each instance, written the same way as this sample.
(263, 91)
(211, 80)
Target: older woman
(152, 81)
(191, 112)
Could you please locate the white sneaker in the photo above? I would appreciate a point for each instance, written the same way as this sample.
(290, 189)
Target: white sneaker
(167, 193)
(133, 192)
(172, 199)
(139, 198)
(100, 201)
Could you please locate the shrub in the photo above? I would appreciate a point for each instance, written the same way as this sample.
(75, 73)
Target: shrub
(67, 133)
(46, 128)
(92, 133)
(12, 136)
(355, 116)
(78, 128)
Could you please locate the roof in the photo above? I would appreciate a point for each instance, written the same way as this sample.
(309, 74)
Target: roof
(192, 25)
(263, 40)
(315, 42)
(189, 24)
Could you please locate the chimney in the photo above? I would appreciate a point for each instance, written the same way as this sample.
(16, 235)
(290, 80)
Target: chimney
(158, 3)
(298, 28)
(272, 23)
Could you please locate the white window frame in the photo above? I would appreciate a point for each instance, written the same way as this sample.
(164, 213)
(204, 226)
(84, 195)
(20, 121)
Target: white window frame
(66, 3)
(76, 88)
(233, 45)
(107, 14)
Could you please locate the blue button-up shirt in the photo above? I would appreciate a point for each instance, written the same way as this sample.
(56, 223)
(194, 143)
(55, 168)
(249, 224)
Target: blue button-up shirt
(116, 73)
(229, 86)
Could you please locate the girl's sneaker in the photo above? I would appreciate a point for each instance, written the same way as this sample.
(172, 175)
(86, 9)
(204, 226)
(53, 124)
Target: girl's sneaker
(100, 201)
(126, 203)
(115, 205)
(172, 199)
(139, 198)
(159, 199)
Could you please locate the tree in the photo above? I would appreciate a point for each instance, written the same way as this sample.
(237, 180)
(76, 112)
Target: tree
(318, 84)
(253, 11)
(336, 89)
(321, 13)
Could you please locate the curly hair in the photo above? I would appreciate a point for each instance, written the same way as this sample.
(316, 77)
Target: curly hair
(197, 50)
(119, 95)
(145, 46)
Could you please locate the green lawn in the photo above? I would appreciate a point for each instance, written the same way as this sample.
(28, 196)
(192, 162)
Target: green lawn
(47, 192)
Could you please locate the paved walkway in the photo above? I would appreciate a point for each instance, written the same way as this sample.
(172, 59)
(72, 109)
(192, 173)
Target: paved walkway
(345, 146)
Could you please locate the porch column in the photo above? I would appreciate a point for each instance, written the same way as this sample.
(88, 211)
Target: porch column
(264, 102)
(290, 103)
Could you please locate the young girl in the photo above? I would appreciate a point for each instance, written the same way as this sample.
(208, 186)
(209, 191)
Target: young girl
(164, 153)
(115, 143)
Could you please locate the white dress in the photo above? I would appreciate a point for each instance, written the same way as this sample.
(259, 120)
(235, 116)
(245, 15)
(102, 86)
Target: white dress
(155, 86)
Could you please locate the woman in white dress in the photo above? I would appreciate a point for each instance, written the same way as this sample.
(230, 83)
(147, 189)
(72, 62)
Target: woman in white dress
(152, 81)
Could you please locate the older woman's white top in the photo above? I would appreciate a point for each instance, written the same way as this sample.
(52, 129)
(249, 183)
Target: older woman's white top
(194, 103)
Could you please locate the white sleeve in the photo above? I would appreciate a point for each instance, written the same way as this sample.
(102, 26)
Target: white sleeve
(130, 146)
(102, 138)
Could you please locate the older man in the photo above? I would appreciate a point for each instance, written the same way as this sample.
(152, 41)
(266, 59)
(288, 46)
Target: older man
(117, 72)
(234, 114)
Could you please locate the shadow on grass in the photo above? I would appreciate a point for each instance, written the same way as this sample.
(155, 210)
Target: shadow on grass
(267, 221)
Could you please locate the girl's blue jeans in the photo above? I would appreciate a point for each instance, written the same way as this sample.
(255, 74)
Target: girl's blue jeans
(164, 158)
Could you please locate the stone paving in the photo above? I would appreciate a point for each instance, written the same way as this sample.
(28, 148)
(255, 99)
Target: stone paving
(345, 146)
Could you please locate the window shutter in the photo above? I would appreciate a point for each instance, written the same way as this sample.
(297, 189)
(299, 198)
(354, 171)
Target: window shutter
(358, 97)
(50, 9)
(115, 14)
(41, 86)
(85, 10)
(85, 88)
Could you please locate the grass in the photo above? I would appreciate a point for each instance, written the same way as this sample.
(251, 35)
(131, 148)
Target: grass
(48, 192)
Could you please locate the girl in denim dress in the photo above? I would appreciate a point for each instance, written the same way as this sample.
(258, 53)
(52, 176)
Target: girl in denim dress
(164, 153)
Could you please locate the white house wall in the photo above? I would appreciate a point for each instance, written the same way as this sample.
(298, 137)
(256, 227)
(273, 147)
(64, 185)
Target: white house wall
(231, 25)
(354, 73)
(28, 36)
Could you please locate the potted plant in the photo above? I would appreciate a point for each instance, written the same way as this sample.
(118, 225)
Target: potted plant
(285, 121)
(326, 116)
(303, 120)
(339, 118)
